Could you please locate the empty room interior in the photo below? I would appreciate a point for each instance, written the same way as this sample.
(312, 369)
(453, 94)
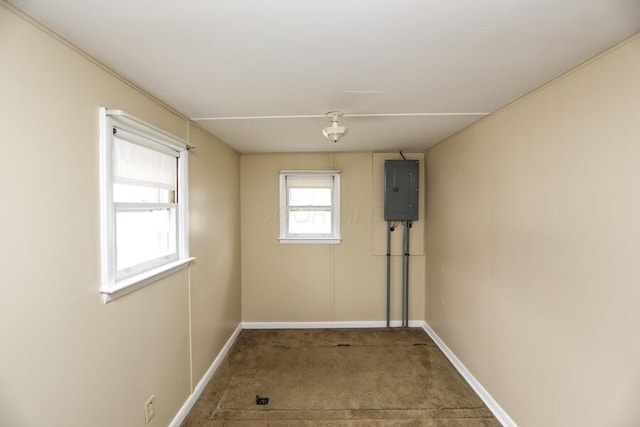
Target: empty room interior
(238, 192)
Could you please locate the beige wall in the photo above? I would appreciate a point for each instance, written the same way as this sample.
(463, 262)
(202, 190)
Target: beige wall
(66, 358)
(214, 223)
(321, 283)
(533, 224)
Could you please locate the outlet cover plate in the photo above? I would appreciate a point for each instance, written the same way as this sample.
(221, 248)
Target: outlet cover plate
(149, 409)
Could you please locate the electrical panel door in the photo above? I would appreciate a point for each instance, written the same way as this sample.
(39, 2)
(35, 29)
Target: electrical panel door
(400, 190)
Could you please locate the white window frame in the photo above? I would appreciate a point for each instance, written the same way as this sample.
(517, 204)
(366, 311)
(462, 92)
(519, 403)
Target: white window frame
(113, 284)
(285, 236)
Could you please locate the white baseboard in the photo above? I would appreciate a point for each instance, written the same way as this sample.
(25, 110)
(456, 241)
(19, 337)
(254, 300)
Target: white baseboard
(197, 391)
(482, 393)
(327, 325)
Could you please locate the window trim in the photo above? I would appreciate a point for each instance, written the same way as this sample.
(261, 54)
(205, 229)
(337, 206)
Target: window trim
(284, 236)
(134, 129)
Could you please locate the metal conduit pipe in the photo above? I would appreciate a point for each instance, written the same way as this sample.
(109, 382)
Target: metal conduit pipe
(389, 230)
(404, 273)
(406, 292)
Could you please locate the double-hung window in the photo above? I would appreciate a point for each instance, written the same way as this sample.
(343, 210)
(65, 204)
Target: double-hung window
(310, 207)
(144, 193)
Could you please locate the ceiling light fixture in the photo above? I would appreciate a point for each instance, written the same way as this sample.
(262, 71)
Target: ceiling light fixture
(335, 131)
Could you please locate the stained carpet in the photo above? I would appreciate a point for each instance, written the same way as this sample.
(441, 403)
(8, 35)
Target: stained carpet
(338, 377)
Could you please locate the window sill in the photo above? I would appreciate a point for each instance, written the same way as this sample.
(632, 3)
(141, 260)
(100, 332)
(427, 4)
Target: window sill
(310, 241)
(139, 281)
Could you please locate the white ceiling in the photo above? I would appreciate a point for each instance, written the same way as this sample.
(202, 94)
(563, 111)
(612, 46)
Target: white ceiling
(240, 58)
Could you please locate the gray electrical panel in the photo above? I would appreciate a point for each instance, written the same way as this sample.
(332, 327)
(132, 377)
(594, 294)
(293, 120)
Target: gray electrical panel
(400, 190)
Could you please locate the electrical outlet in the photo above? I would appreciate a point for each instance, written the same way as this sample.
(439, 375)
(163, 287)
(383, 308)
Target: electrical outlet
(149, 409)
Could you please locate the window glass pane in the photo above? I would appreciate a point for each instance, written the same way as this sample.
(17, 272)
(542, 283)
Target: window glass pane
(309, 222)
(144, 235)
(138, 194)
(310, 197)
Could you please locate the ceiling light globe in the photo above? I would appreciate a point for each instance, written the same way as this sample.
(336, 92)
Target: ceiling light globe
(334, 133)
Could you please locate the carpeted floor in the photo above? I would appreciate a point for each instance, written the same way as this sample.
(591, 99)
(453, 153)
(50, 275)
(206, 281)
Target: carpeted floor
(338, 377)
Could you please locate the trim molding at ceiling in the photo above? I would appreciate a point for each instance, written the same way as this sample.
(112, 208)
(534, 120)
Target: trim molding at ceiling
(322, 116)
